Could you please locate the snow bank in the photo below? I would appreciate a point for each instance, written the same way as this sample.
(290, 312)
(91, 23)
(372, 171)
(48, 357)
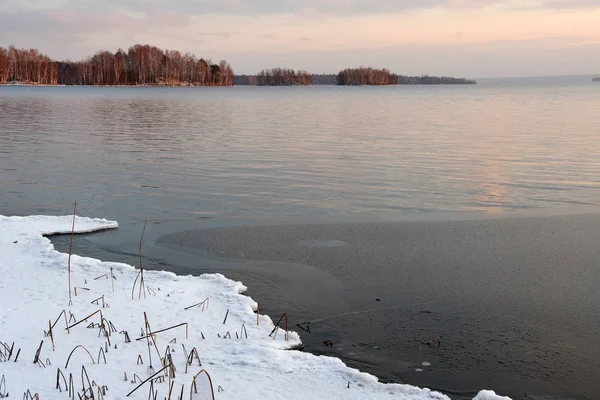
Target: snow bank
(489, 395)
(243, 360)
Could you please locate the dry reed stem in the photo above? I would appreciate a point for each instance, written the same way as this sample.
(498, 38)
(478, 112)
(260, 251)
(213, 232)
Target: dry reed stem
(36, 358)
(72, 351)
(79, 287)
(71, 387)
(112, 279)
(170, 390)
(103, 354)
(140, 274)
(100, 394)
(63, 312)
(71, 250)
(86, 318)
(286, 326)
(59, 373)
(3, 392)
(12, 347)
(194, 388)
(202, 303)
(50, 332)
(89, 386)
(106, 333)
(307, 328)
(150, 334)
(97, 300)
(190, 358)
(151, 377)
(28, 396)
(142, 284)
(167, 357)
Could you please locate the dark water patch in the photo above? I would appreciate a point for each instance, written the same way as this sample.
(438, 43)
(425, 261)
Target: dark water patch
(513, 300)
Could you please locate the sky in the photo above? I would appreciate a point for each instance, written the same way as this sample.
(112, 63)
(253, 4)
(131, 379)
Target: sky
(471, 38)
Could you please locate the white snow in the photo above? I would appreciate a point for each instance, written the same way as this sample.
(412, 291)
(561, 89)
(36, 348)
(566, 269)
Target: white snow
(489, 395)
(34, 291)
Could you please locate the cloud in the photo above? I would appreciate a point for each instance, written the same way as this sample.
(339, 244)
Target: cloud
(271, 7)
(570, 4)
(250, 7)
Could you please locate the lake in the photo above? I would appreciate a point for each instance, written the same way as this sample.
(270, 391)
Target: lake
(456, 226)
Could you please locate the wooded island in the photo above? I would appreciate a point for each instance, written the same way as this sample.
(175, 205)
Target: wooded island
(145, 65)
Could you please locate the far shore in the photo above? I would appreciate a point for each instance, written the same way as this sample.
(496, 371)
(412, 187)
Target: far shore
(206, 86)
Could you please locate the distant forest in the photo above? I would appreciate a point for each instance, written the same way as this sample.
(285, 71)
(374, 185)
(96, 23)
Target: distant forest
(348, 77)
(272, 78)
(149, 65)
(139, 65)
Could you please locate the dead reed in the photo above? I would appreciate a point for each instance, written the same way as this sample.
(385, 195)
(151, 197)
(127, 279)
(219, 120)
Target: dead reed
(73, 351)
(147, 379)
(71, 249)
(201, 304)
(86, 318)
(3, 389)
(140, 274)
(28, 396)
(277, 326)
(194, 388)
(63, 313)
(149, 334)
(50, 333)
(36, 358)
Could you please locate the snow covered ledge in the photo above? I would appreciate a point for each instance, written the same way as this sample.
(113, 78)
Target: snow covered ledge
(242, 358)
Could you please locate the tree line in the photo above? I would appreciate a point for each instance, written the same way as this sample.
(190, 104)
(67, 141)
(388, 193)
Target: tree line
(366, 76)
(315, 79)
(139, 65)
(283, 77)
(149, 65)
(347, 77)
(372, 76)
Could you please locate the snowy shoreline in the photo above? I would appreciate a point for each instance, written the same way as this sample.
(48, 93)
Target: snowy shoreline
(244, 358)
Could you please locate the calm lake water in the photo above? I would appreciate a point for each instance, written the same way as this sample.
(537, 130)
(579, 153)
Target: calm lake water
(470, 212)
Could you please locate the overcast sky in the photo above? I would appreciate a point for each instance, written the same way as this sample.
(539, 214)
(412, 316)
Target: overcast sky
(473, 38)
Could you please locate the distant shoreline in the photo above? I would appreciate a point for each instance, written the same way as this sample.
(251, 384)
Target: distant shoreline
(204, 86)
